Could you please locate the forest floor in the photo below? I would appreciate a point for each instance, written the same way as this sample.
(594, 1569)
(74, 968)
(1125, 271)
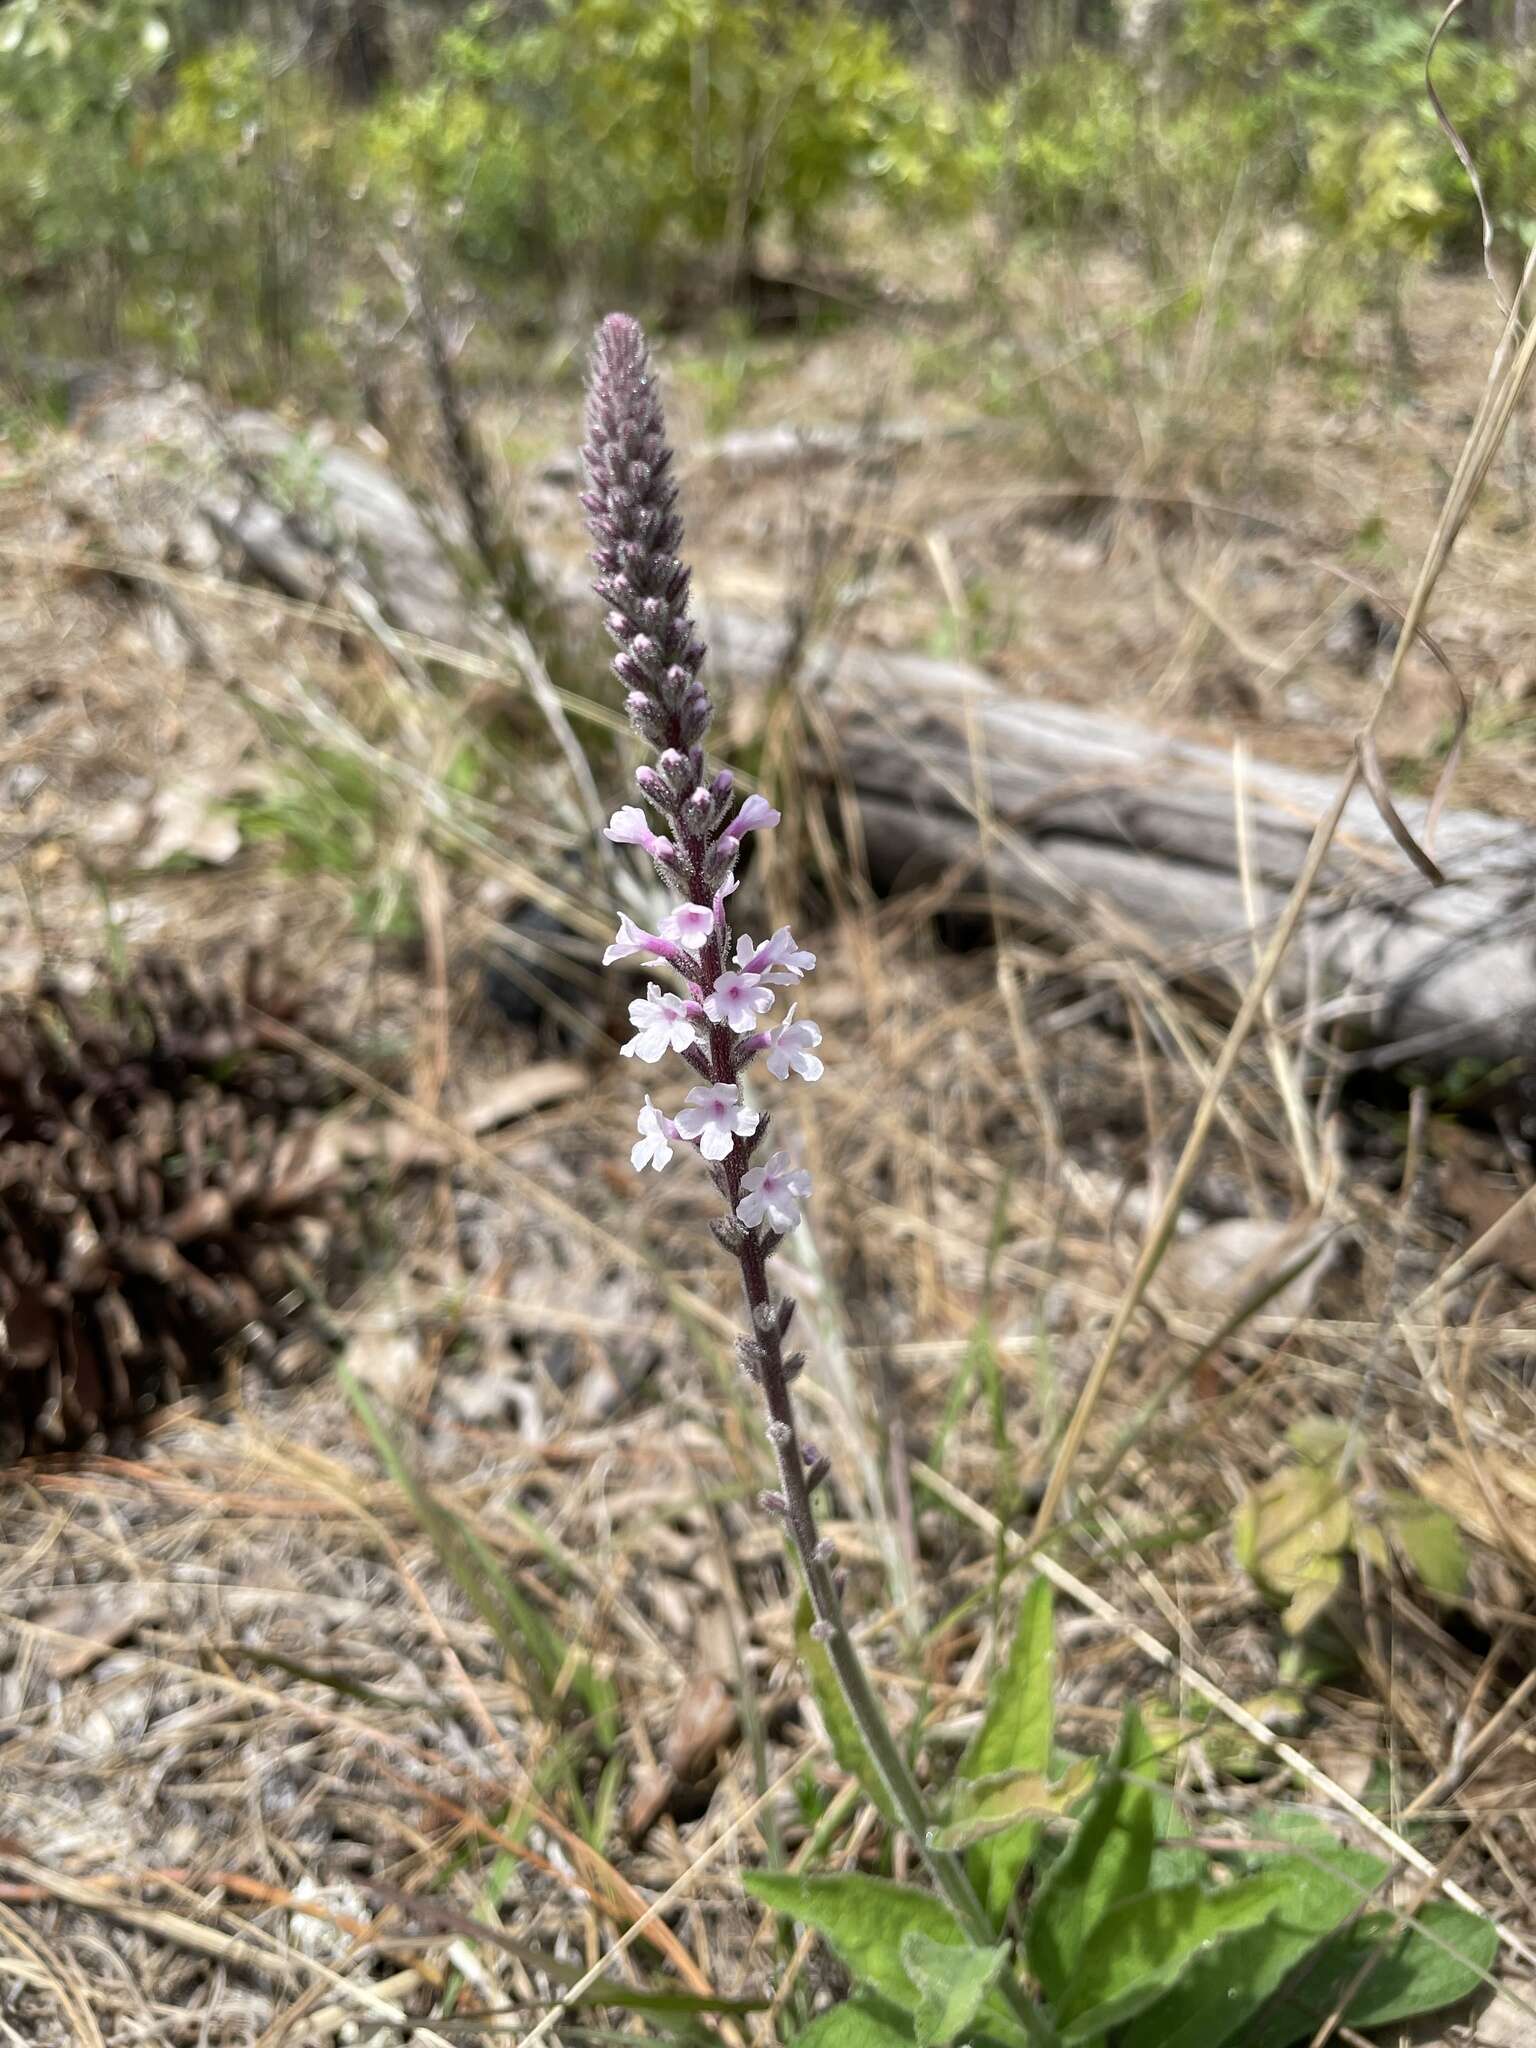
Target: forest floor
(276, 1727)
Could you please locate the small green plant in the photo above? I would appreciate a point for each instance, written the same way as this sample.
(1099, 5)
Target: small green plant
(330, 813)
(1298, 1533)
(1121, 1929)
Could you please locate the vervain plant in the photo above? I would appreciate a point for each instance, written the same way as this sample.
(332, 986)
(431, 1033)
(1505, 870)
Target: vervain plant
(1069, 1911)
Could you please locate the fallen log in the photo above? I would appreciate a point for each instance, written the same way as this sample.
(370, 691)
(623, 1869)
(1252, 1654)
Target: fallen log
(1092, 816)
(1095, 825)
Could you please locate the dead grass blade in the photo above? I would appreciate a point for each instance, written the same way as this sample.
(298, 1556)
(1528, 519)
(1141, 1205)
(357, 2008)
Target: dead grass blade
(669, 1898)
(1161, 1234)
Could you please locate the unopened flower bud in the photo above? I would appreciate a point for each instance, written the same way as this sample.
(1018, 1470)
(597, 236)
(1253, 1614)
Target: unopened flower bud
(749, 1356)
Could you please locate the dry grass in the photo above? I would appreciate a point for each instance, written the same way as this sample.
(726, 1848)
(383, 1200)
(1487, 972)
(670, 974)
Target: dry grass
(273, 1731)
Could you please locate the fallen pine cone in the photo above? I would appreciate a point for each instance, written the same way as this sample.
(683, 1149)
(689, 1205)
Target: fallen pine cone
(156, 1199)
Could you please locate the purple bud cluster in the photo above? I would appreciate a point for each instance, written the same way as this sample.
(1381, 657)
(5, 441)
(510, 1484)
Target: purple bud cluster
(718, 1023)
(631, 502)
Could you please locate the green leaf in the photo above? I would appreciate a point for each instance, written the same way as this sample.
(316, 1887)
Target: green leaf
(1143, 1946)
(1431, 1542)
(1108, 1859)
(1443, 1956)
(1317, 1888)
(855, 2024)
(1290, 1535)
(988, 1807)
(1015, 1736)
(865, 1920)
(842, 1730)
(952, 1985)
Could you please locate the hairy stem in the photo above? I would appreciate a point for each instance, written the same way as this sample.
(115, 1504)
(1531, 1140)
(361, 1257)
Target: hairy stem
(947, 1871)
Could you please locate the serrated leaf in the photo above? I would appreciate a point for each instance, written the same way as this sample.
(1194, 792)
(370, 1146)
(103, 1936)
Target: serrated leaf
(1431, 1542)
(864, 1919)
(1108, 1859)
(1015, 1735)
(1442, 1957)
(951, 1983)
(842, 1730)
(1142, 1947)
(855, 2024)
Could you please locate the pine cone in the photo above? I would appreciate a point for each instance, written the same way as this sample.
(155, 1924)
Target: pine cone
(154, 1186)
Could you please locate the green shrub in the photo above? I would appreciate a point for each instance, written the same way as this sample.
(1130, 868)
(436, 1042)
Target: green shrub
(187, 206)
(622, 142)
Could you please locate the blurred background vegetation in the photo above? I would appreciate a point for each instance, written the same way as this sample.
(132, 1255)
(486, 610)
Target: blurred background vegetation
(218, 181)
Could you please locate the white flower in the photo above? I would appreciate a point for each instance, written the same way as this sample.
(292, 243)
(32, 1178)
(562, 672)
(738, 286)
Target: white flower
(789, 1048)
(737, 999)
(655, 1132)
(716, 1117)
(629, 826)
(662, 1024)
(755, 815)
(690, 924)
(778, 960)
(631, 939)
(773, 1193)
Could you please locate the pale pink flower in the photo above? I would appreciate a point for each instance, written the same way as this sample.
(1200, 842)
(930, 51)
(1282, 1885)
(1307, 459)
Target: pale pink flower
(772, 1194)
(755, 815)
(778, 960)
(691, 924)
(656, 1131)
(716, 1117)
(738, 999)
(789, 1048)
(631, 939)
(663, 1023)
(629, 826)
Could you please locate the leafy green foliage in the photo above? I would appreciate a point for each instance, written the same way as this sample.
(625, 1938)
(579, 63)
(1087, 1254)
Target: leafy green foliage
(1131, 1940)
(1012, 1747)
(209, 196)
(737, 116)
(1109, 1858)
(951, 1983)
(865, 1919)
(1295, 1534)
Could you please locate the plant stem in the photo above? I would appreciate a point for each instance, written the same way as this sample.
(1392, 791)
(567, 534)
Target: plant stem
(947, 1870)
